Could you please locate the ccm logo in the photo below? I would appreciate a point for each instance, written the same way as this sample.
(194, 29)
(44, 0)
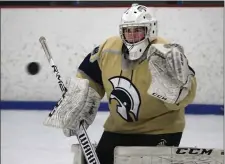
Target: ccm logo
(159, 96)
(193, 151)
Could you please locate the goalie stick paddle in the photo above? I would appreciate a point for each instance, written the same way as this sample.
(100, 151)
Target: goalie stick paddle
(87, 147)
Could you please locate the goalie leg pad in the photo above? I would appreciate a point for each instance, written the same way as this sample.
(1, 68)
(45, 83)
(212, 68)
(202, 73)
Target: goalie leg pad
(167, 155)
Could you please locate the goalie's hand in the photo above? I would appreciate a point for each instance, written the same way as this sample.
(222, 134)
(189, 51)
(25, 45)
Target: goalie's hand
(80, 103)
(171, 76)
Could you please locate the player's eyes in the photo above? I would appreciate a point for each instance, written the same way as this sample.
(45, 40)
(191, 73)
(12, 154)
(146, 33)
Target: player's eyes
(138, 30)
(130, 30)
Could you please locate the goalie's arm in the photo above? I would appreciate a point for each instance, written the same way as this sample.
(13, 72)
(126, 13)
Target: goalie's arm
(92, 72)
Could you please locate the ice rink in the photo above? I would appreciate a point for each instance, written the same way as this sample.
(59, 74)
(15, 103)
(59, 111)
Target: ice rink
(24, 139)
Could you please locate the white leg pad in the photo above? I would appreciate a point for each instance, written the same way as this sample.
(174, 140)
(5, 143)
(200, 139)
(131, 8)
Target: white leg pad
(167, 155)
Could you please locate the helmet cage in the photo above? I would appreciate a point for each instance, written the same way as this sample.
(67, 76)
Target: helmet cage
(147, 32)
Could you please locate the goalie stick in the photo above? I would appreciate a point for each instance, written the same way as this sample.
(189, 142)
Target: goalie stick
(84, 141)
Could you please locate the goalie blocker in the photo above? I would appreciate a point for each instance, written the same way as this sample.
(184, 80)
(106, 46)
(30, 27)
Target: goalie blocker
(158, 155)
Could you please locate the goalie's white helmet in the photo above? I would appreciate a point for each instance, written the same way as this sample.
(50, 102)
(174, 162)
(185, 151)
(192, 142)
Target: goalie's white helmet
(137, 29)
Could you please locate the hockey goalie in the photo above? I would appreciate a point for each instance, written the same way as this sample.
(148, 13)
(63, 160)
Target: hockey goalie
(148, 83)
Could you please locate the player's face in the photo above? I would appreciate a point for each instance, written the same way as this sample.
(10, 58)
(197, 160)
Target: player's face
(134, 34)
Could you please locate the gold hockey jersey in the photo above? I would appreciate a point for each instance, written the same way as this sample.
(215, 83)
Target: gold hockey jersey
(132, 110)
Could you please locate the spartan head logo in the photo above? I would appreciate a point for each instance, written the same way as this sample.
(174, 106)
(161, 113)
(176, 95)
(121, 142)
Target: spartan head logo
(127, 97)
